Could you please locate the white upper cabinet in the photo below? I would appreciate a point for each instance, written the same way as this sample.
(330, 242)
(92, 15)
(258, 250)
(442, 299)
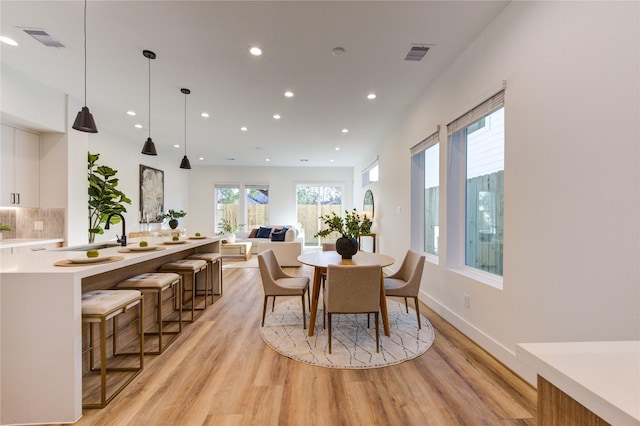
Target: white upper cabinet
(19, 168)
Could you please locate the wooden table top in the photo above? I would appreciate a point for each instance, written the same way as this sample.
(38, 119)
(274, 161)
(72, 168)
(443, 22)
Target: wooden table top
(323, 259)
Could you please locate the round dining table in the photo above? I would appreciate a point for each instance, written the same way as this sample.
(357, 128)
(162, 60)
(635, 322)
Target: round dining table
(320, 260)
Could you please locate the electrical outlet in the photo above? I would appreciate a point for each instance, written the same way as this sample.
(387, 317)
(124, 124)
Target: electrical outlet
(38, 225)
(467, 300)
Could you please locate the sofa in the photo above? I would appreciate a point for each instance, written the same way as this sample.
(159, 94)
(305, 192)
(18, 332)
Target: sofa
(286, 244)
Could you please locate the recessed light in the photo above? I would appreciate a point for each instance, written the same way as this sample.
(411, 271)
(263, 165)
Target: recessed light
(230, 159)
(255, 51)
(345, 131)
(288, 94)
(337, 51)
(331, 161)
(138, 126)
(9, 41)
(243, 128)
(267, 159)
(201, 158)
(131, 113)
(276, 116)
(371, 96)
(205, 115)
(176, 146)
(337, 148)
(304, 160)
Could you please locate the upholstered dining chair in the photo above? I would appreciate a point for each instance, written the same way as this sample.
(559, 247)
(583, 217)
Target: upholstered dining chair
(406, 281)
(326, 247)
(276, 282)
(352, 289)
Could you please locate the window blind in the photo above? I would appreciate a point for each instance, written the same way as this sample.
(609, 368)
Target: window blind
(424, 144)
(485, 108)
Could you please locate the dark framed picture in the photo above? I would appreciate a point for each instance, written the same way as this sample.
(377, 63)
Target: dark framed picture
(151, 194)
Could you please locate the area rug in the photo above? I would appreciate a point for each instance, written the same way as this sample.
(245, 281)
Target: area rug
(353, 344)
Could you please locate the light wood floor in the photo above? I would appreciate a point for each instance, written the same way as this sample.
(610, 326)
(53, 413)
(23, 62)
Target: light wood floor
(220, 372)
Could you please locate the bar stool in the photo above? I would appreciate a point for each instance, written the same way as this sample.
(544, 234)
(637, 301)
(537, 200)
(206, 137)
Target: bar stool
(189, 268)
(212, 259)
(158, 282)
(98, 307)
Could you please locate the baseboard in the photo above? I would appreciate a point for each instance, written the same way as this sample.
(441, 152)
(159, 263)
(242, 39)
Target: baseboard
(486, 342)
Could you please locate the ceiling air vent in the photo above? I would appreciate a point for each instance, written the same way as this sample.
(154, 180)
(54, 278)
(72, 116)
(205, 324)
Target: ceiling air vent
(44, 38)
(417, 52)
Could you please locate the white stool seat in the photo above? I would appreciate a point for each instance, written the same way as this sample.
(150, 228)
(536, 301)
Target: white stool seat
(187, 265)
(108, 302)
(209, 257)
(151, 281)
(189, 268)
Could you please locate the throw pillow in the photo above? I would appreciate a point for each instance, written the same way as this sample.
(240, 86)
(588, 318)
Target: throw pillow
(278, 236)
(263, 232)
(253, 233)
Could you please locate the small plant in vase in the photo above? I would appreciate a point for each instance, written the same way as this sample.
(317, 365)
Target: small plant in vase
(173, 217)
(227, 228)
(349, 227)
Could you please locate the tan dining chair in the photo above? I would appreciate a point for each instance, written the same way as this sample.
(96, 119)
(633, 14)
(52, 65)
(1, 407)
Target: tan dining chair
(276, 282)
(353, 290)
(327, 247)
(406, 281)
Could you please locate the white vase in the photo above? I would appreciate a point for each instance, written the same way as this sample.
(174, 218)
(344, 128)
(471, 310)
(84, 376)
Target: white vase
(230, 237)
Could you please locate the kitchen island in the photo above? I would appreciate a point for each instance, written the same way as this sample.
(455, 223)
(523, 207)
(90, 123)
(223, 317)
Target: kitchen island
(41, 324)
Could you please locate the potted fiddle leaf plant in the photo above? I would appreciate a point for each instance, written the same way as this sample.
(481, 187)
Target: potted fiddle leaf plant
(349, 228)
(173, 216)
(104, 196)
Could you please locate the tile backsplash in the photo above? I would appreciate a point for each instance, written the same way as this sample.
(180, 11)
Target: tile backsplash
(22, 221)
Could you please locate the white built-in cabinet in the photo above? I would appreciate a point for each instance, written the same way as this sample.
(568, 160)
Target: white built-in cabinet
(19, 168)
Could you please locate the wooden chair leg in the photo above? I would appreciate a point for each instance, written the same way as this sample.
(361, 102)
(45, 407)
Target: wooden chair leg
(406, 304)
(377, 334)
(304, 315)
(273, 305)
(329, 320)
(415, 299)
(264, 309)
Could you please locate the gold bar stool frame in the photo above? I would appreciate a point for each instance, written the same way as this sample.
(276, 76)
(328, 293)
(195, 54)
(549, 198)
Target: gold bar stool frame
(98, 307)
(158, 282)
(190, 268)
(213, 260)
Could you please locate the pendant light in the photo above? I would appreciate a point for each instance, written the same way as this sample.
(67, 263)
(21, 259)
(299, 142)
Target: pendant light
(84, 120)
(185, 164)
(149, 147)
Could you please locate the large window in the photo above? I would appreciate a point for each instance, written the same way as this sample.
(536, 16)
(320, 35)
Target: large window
(257, 205)
(477, 183)
(370, 174)
(227, 204)
(314, 201)
(425, 195)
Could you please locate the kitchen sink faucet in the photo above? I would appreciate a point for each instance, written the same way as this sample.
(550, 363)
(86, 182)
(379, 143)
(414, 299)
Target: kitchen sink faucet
(123, 239)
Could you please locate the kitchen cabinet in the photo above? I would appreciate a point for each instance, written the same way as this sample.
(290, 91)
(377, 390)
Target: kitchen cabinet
(19, 168)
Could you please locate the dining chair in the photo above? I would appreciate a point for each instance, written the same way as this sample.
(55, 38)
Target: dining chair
(276, 282)
(326, 247)
(406, 281)
(353, 290)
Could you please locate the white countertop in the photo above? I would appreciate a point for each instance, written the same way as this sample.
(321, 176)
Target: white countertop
(602, 376)
(24, 242)
(43, 261)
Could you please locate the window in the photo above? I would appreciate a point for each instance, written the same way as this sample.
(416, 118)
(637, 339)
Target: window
(314, 201)
(425, 195)
(476, 141)
(257, 205)
(227, 203)
(370, 174)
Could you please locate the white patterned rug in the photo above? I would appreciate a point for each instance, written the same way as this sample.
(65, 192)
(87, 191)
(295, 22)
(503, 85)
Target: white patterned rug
(353, 344)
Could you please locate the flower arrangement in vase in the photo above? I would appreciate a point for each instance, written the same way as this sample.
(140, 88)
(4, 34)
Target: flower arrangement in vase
(227, 228)
(349, 227)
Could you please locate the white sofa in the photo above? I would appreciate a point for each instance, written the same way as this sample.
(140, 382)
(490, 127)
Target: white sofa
(286, 251)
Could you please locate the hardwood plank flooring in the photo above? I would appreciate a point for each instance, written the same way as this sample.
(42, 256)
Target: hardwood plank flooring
(220, 372)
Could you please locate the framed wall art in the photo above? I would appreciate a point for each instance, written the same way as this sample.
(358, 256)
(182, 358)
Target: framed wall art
(151, 194)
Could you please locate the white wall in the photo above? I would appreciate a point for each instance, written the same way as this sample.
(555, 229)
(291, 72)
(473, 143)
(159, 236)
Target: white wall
(572, 182)
(282, 183)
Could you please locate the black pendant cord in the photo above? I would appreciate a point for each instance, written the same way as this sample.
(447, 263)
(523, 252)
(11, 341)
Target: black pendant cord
(185, 124)
(85, 52)
(149, 97)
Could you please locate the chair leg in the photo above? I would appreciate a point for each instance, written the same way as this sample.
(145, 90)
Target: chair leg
(329, 320)
(304, 315)
(264, 309)
(273, 304)
(377, 334)
(406, 304)
(415, 300)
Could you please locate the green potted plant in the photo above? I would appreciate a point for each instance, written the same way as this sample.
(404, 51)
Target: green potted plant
(104, 197)
(173, 217)
(349, 228)
(227, 228)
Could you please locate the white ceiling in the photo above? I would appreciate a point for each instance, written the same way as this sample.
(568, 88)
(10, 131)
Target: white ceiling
(203, 46)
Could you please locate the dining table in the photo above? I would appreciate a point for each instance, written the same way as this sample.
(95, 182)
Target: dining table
(320, 260)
